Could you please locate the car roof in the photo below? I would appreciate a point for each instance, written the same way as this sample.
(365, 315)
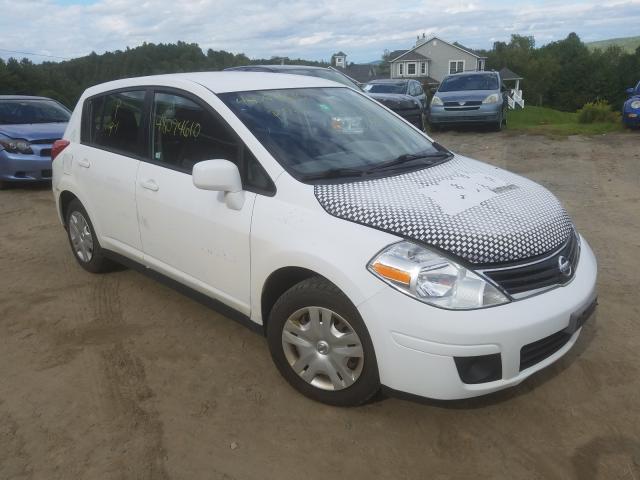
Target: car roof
(221, 82)
(481, 72)
(391, 80)
(23, 97)
(275, 67)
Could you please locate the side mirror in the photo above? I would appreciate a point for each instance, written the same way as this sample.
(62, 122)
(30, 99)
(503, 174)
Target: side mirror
(221, 176)
(630, 91)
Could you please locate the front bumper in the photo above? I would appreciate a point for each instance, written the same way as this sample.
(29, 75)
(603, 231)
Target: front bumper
(439, 114)
(631, 119)
(416, 344)
(413, 116)
(18, 167)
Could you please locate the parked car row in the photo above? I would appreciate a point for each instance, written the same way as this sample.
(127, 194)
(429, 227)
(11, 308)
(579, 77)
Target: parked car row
(29, 125)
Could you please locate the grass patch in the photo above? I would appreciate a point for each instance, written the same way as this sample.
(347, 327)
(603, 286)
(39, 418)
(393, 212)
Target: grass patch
(547, 121)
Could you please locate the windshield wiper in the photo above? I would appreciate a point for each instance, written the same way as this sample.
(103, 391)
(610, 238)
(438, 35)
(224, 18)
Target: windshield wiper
(438, 156)
(333, 173)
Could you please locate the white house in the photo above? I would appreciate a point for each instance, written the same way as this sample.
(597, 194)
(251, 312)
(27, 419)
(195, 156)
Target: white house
(431, 59)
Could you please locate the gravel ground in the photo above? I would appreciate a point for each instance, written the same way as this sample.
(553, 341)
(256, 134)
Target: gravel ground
(119, 377)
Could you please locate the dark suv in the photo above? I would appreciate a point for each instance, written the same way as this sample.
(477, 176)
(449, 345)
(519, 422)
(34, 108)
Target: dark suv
(405, 97)
(328, 73)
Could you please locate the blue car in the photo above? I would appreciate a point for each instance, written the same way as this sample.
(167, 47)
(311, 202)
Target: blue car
(469, 98)
(631, 108)
(28, 128)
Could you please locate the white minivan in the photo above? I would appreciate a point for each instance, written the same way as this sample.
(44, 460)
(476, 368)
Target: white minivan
(368, 254)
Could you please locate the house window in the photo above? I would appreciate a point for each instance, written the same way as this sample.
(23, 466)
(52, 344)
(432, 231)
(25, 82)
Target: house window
(423, 68)
(480, 65)
(401, 68)
(411, 68)
(456, 66)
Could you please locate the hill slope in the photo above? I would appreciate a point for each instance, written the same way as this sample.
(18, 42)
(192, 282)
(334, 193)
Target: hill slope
(628, 44)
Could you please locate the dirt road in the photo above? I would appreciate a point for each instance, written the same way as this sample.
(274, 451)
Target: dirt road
(119, 377)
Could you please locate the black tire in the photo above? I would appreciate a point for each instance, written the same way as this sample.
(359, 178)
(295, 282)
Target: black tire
(498, 126)
(318, 292)
(98, 262)
(3, 185)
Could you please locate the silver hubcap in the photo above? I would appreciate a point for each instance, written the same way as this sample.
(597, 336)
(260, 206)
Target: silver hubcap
(323, 348)
(81, 238)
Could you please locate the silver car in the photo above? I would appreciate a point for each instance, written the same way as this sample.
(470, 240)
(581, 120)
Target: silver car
(469, 98)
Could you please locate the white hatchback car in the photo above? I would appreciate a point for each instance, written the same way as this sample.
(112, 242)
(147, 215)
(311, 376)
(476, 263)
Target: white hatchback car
(368, 254)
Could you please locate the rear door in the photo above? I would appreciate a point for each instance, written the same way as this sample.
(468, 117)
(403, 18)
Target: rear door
(113, 139)
(190, 234)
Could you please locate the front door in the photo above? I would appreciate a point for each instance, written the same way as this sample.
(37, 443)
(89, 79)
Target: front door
(190, 234)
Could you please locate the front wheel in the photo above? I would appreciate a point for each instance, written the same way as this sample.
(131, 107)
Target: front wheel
(321, 346)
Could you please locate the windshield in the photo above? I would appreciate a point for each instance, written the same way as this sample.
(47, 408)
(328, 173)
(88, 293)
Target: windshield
(315, 130)
(323, 73)
(386, 88)
(459, 83)
(32, 111)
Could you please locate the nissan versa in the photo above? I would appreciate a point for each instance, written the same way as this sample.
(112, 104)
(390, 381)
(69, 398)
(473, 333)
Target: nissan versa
(368, 254)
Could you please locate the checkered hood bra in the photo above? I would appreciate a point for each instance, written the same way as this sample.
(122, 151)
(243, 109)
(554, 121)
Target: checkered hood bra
(478, 212)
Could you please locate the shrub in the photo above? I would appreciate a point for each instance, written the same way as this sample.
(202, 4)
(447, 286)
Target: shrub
(597, 112)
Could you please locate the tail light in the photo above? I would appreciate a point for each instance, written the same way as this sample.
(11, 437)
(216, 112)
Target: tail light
(58, 147)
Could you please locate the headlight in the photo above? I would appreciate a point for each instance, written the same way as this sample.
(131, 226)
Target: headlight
(431, 278)
(15, 145)
(493, 98)
(635, 104)
(436, 100)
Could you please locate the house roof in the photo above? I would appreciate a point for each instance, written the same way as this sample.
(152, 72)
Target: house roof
(360, 72)
(458, 46)
(396, 53)
(412, 56)
(507, 74)
(339, 54)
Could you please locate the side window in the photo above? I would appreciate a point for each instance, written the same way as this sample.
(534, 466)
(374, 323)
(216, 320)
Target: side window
(114, 121)
(185, 133)
(419, 90)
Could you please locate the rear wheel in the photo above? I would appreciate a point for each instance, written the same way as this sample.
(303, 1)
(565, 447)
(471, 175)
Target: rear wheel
(84, 241)
(321, 346)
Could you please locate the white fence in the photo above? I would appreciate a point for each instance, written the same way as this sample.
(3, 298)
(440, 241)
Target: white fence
(515, 99)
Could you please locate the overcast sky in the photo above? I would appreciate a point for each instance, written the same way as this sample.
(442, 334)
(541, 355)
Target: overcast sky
(311, 29)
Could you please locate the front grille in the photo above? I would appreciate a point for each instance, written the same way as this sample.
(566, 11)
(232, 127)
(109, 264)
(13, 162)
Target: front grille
(469, 103)
(537, 351)
(45, 152)
(458, 109)
(519, 278)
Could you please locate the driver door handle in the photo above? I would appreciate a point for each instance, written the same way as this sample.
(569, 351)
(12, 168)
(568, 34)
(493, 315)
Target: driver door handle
(150, 185)
(84, 163)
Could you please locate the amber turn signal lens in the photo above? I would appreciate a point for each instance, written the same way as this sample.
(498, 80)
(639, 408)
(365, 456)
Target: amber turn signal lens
(391, 273)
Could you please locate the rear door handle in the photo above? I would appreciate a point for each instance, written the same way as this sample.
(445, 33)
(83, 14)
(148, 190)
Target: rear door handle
(150, 185)
(84, 163)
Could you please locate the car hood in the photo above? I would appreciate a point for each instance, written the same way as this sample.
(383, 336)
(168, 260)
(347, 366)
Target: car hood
(34, 131)
(472, 210)
(391, 99)
(465, 96)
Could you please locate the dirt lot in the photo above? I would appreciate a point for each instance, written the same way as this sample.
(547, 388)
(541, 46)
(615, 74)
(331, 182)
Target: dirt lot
(119, 377)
